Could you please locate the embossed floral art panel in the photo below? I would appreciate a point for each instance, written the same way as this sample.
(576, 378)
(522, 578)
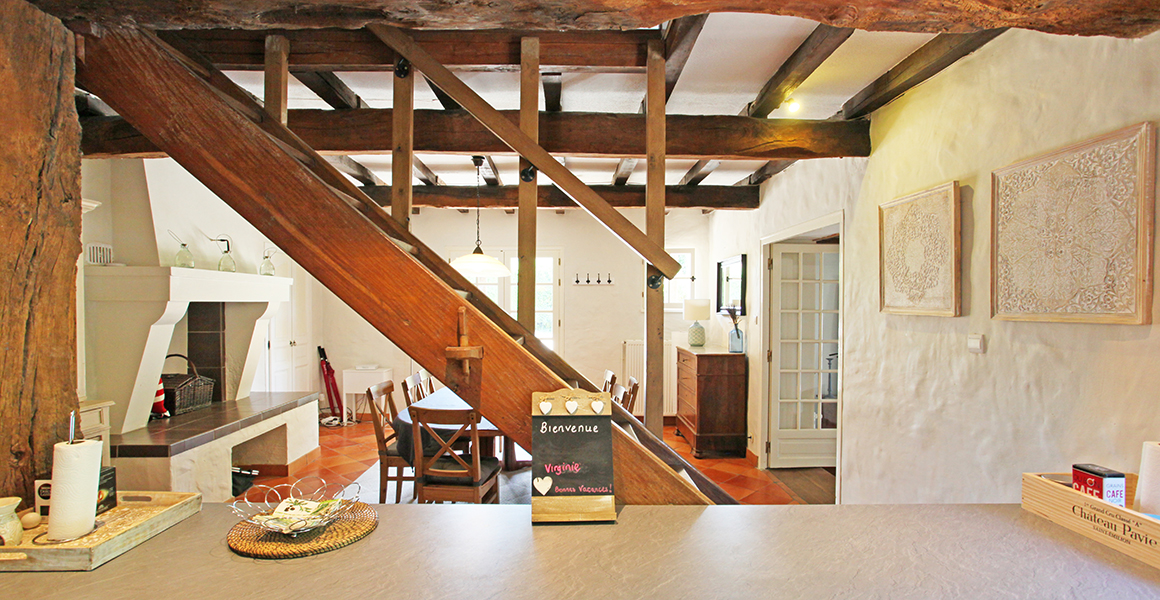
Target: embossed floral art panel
(1071, 232)
(919, 253)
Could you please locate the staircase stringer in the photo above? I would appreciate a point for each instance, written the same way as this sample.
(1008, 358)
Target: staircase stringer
(240, 162)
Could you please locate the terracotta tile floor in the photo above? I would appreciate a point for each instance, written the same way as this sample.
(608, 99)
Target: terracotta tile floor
(348, 452)
(746, 483)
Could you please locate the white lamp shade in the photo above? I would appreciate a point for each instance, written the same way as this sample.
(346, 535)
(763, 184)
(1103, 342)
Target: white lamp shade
(480, 265)
(696, 310)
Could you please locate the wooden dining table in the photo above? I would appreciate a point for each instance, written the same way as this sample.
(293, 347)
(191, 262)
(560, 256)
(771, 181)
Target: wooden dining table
(445, 399)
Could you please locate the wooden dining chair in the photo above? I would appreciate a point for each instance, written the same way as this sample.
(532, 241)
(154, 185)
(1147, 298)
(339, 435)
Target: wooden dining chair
(445, 475)
(427, 382)
(381, 399)
(609, 381)
(413, 389)
(618, 393)
(630, 397)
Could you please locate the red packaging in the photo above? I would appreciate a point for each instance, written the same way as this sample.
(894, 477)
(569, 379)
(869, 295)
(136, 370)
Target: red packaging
(1100, 482)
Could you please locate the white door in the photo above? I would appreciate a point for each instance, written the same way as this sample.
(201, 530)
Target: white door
(805, 355)
(291, 359)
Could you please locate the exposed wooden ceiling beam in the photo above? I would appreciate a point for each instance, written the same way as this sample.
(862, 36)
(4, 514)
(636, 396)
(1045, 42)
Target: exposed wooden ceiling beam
(699, 171)
(922, 64)
(808, 56)
(368, 131)
(490, 172)
(349, 166)
(553, 88)
(766, 171)
(331, 89)
(934, 56)
(1125, 18)
(512, 136)
(359, 50)
(423, 173)
(680, 35)
(620, 196)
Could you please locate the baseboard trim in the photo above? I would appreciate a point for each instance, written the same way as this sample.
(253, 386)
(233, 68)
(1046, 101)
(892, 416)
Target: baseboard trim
(751, 458)
(285, 470)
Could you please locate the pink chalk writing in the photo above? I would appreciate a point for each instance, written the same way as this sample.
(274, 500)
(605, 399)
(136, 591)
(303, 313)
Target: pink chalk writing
(554, 469)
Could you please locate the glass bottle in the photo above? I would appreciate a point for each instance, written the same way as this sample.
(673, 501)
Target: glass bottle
(227, 263)
(267, 267)
(184, 258)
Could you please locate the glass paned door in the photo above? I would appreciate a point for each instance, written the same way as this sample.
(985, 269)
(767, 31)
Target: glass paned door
(805, 305)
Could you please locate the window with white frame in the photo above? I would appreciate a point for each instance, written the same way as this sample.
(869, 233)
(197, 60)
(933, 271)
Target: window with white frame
(504, 291)
(680, 288)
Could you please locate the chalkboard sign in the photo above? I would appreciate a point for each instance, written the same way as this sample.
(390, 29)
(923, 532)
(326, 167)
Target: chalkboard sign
(572, 457)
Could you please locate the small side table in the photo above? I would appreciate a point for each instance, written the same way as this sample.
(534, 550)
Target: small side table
(356, 382)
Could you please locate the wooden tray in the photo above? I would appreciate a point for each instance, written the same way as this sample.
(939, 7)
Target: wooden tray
(1122, 529)
(137, 517)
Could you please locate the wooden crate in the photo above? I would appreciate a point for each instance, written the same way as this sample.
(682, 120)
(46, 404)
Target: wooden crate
(1123, 529)
(137, 517)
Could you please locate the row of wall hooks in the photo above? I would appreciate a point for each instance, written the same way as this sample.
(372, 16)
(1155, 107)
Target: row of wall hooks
(589, 280)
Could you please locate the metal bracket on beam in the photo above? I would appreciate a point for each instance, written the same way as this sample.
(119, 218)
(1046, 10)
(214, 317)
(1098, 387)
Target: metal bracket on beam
(402, 68)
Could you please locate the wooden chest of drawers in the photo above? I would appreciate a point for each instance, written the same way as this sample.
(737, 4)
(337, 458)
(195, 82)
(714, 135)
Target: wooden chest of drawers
(712, 389)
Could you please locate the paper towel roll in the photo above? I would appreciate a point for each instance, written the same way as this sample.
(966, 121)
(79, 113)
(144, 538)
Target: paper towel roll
(1148, 486)
(76, 473)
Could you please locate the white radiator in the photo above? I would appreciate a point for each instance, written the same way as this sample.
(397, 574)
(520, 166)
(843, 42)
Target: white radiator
(634, 367)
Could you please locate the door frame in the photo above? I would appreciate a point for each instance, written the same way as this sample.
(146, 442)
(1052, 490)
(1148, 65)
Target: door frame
(803, 232)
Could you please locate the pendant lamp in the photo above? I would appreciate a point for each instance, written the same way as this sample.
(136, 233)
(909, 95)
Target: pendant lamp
(478, 264)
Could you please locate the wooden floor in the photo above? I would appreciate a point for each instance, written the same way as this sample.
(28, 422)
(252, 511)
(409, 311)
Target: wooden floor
(347, 453)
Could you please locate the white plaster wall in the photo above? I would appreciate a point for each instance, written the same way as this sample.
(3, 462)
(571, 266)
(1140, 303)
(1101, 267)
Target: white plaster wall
(924, 420)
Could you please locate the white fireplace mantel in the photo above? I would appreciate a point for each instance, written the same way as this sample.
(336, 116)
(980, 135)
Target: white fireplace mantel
(130, 313)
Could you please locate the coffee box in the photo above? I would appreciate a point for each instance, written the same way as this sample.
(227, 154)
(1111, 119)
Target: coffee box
(1100, 482)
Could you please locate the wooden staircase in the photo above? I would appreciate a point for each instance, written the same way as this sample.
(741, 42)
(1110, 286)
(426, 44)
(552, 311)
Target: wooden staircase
(222, 135)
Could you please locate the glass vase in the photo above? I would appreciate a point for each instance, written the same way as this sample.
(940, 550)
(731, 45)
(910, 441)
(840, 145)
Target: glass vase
(266, 268)
(736, 341)
(227, 263)
(184, 258)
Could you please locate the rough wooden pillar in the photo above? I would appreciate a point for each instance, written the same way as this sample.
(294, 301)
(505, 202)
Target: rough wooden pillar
(277, 80)
(403, 136)
(654, 320)
(40, 224)
(529, 195)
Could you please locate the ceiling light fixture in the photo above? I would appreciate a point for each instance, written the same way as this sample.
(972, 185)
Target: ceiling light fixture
(792, 105)
(477, 264)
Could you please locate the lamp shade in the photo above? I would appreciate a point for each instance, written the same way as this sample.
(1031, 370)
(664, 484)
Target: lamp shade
(478, 264)
(697, 310)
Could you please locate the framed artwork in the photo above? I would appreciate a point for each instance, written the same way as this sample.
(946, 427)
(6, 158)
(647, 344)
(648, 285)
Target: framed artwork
(918, 253)
(1071, 232)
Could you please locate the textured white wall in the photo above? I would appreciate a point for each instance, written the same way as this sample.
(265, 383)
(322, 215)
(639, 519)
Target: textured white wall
(924, 420)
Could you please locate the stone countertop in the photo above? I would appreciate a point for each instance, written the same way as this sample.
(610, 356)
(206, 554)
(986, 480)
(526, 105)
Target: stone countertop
(922, 552)
(172, 436)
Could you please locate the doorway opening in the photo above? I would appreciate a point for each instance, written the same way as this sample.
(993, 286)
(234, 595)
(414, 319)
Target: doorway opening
(803, 342)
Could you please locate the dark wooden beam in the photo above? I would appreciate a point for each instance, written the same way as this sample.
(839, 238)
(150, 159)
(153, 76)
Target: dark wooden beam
(766, 171)
(699, 171)
(349, 166)
(358, 50)
(331, 89)
(277, 77)
(368, 131)
(812, 52)
(934, 56)
(490, 172)
(447, 102)
(1125, 18)
(549, 196)
(423, 173)
(680, 36)
(553, 87)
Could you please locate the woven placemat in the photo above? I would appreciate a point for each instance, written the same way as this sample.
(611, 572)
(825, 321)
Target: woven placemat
(250, 540)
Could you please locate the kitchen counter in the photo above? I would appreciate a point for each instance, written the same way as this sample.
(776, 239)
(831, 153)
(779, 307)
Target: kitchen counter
(464, 551)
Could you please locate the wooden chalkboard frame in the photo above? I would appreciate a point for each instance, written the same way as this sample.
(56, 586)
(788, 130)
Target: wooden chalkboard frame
(590, 418)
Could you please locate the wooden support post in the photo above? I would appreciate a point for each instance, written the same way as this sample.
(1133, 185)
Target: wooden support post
(403, 138)
(654, 334)
(277, 77)
(528, 192)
